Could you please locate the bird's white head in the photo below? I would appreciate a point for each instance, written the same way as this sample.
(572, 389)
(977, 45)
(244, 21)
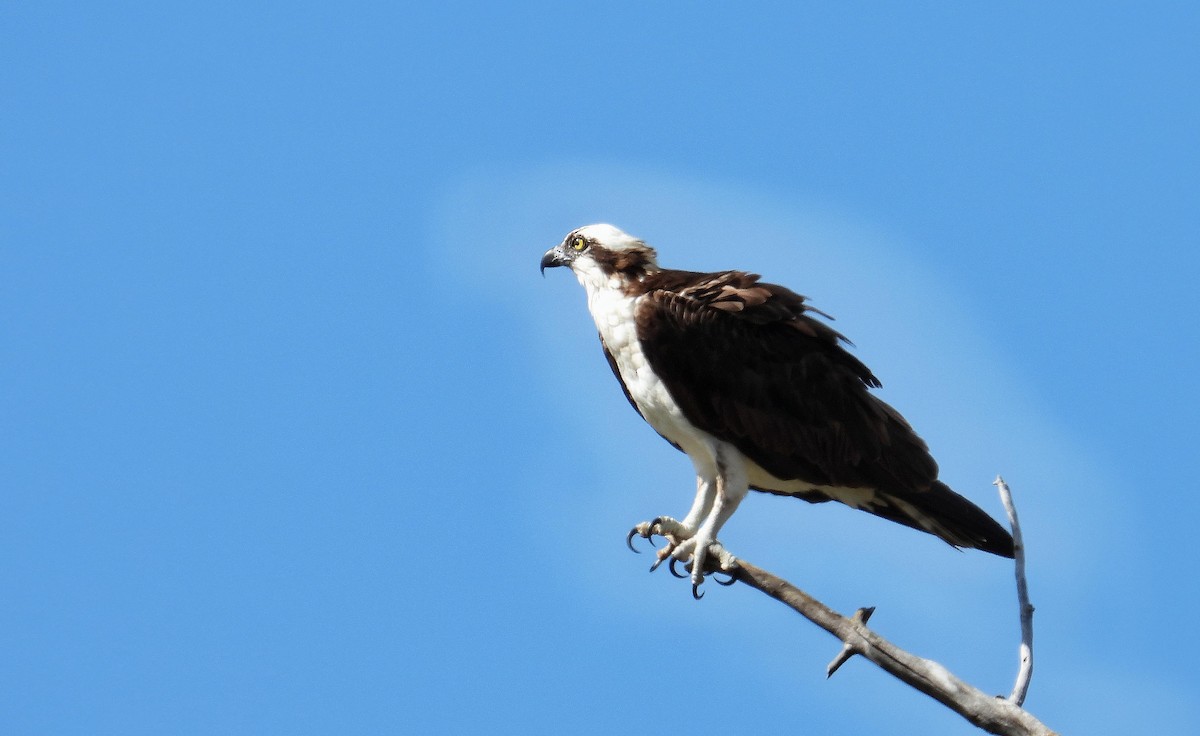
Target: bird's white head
(602, 253)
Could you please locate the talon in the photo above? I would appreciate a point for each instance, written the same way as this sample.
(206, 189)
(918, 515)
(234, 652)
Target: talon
(726, 583)
(654, 526)
(671, 567)
(629, 540)
(663, 555)
(696, 592)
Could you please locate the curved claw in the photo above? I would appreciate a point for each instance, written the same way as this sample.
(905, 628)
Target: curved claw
(635, 532)
(726, 583)
(671, 567)
(696, 592)
(657, 562)
(655, 526)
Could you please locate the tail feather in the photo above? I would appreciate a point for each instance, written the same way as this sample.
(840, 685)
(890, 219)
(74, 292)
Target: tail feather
(945, 514)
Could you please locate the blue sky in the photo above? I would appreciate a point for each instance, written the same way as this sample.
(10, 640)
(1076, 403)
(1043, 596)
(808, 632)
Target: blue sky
(295, 439)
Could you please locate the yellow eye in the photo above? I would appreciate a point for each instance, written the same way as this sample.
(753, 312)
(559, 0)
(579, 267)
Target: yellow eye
(580, 244)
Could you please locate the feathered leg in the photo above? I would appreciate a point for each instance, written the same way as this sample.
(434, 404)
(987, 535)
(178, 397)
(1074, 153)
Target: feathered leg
(675, 531)
(731, 487)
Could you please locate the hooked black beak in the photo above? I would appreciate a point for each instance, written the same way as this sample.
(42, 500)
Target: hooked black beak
(553, 259)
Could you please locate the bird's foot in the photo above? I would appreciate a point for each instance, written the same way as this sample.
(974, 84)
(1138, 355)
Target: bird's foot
(673, 531)
(707, 556)
(664, 526)
(701, 555)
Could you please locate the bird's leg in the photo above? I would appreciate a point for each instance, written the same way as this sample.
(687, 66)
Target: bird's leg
(675, 531)
(731, 487)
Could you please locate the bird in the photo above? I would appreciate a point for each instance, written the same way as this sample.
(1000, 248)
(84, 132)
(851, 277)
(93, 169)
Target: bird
(750, 381)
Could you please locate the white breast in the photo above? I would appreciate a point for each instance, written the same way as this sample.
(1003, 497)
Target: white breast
(613, 312)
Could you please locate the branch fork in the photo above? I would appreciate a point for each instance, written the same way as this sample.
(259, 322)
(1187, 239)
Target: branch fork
(860, 617)
(996, 715)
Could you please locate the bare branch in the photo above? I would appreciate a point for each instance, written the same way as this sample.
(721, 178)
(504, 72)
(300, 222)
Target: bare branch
(995, 715)
(861, 616)
(1025, 669)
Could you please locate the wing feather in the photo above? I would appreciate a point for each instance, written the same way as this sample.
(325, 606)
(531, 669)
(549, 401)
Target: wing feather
(749, 363)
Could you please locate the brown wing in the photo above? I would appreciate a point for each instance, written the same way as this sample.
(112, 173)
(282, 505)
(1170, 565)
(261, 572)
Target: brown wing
(750, 364)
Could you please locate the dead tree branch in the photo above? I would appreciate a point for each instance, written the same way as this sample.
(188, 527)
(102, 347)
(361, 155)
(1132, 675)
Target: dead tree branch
(1025, 670)
(994, 714)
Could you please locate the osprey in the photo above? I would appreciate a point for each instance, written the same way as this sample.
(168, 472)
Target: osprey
(760, 394)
